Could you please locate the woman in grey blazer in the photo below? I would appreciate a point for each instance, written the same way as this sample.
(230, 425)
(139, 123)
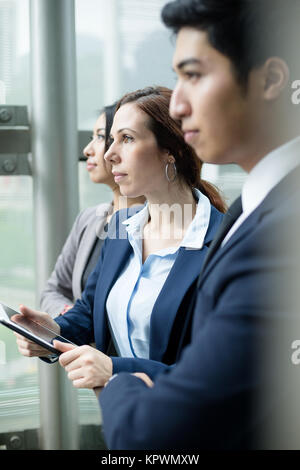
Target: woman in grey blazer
(82, 247)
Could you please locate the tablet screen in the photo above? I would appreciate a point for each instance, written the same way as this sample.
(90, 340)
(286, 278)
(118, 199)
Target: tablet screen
(11, 316)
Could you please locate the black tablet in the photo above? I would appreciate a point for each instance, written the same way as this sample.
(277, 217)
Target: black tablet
(31, 330)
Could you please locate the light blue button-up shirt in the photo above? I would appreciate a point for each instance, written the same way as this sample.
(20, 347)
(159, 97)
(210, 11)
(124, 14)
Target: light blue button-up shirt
(132, 297)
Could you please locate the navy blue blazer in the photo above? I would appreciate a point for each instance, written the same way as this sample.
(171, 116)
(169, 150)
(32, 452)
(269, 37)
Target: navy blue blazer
(209, 398)
(87, 321)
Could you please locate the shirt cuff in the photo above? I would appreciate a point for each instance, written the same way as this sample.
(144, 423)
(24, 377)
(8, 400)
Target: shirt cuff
(111, 378)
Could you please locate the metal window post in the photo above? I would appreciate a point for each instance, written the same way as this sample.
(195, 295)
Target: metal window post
(55, 175)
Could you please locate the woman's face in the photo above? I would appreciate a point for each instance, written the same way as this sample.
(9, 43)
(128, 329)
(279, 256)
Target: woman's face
(138, 164)
(99, 170)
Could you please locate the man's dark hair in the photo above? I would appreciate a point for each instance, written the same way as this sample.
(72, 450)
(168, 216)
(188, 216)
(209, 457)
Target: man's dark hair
(246, 31)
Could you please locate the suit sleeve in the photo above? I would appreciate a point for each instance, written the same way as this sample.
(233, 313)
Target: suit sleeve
(148, 366)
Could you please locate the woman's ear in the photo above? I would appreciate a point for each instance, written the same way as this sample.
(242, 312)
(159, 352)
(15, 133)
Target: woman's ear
(169, 158)
(276, 77)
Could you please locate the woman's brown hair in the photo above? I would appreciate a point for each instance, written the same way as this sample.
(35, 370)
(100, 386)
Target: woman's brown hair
(154, 101)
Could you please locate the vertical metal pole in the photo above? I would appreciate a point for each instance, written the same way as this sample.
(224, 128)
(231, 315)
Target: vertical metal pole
(55, 174)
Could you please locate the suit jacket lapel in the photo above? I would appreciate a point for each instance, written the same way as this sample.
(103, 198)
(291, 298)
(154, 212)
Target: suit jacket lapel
(182, 275)
(87, 242)
(230, 217)
(116, 256)
(247, 226)
(170, 298)
(85, 247)
(117, 253)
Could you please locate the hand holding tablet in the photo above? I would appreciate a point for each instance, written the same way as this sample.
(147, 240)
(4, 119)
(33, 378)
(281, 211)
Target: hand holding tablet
(39, 329)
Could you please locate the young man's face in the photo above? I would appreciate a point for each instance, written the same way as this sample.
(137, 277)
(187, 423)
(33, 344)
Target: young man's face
(219, 118)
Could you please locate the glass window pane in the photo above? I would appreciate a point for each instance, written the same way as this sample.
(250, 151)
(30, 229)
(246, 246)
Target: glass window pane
(19, 390)
(228, 178)
(117, 51)
(14, 52)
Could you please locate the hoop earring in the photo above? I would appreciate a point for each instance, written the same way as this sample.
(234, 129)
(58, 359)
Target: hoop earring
(175, 172)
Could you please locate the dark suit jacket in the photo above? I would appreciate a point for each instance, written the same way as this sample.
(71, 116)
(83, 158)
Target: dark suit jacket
(214, 396)
(87, 320)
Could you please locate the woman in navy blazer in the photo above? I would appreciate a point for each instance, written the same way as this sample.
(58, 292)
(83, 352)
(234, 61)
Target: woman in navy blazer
(149, 157)
(88, 319)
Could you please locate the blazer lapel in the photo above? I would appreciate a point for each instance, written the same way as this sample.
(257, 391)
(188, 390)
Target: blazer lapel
(86, 244)
(231, 216)
(116, 253)
(115, 258)
(247, 226)
(183, 274)
(170, 298)
(114, 261)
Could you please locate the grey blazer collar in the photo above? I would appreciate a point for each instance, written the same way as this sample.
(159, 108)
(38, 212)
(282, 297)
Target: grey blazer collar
(94, 228)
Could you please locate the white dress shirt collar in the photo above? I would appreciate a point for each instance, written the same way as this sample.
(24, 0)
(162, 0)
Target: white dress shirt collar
(195, 234)
(268, 173)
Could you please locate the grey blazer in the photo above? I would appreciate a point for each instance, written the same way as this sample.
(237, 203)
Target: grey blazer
(64, 285)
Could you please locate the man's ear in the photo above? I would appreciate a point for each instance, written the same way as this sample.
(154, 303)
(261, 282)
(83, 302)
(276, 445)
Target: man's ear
(275, 77)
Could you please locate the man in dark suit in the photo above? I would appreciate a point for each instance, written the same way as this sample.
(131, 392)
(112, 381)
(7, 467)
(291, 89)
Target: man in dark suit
(235, 67)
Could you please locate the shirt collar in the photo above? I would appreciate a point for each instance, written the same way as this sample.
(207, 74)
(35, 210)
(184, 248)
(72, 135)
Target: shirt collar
(195, 234)
(268, 173)
(136, 222)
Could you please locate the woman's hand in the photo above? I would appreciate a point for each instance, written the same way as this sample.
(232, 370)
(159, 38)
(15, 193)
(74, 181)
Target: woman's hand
(29, 348)
(86, 366)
